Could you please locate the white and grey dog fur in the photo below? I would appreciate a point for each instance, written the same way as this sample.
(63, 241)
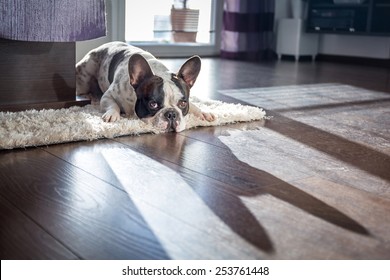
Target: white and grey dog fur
(133, 82)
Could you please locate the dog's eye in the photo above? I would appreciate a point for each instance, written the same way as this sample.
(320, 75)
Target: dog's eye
(182, 104)
(153, 105)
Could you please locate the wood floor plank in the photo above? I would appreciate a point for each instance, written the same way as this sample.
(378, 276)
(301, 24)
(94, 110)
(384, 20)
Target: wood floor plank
(286, 193)
(363, 235)
(210, 160)
(22, 239)
(254, 223)
(170, 188)
(210, 134)
(92, 218)
(340, 148)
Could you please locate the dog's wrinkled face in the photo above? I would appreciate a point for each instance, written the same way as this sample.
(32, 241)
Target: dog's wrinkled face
(162, 102)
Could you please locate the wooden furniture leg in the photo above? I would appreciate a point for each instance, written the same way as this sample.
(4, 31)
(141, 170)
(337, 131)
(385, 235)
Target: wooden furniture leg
(37, 75)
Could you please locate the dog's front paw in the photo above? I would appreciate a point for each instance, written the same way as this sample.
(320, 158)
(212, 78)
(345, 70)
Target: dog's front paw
(111, 116)
(207, 116)
(204, 116)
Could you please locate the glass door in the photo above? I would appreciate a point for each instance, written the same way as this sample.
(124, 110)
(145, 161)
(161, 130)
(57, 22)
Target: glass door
(174, 27)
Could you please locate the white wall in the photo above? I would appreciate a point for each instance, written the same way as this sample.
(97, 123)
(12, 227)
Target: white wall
(350, 45)
(282, 10)
(344, 45)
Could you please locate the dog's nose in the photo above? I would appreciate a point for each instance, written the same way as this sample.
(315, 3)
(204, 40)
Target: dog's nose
(170, 115)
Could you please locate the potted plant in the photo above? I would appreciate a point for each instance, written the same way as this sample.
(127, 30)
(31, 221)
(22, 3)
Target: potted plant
(184, 23)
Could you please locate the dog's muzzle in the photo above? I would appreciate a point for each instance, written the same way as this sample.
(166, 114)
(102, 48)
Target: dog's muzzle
(171, 116)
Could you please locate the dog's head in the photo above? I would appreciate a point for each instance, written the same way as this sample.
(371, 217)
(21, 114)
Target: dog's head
(163, 102)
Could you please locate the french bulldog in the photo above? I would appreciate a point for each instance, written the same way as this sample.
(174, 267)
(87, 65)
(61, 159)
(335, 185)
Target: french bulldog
(133, 82)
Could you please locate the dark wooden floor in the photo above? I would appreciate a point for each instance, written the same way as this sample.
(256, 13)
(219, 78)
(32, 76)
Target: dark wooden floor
(192, 196)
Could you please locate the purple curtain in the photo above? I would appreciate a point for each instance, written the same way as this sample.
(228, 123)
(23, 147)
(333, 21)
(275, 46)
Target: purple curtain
(52, 20)
(248, 29)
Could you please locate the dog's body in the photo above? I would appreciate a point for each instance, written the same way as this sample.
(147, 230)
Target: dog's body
(135, 83)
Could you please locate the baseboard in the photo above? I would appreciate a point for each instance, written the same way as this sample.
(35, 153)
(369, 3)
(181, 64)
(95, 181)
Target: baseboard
(354, 60)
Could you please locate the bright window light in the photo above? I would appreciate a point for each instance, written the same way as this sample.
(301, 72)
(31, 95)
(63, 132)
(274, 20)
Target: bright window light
(149, 21)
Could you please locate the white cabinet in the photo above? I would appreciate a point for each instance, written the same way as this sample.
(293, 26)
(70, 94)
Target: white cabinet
(293, 40)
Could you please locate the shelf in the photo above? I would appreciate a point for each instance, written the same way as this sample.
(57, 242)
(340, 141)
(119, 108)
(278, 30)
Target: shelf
(369, 18)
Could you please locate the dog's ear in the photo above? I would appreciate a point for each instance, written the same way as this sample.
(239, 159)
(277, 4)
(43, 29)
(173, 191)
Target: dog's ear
(189, 71)
(139, 70)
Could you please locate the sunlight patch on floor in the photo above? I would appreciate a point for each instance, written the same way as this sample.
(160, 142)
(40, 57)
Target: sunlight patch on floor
(288, 159)
(162, 196)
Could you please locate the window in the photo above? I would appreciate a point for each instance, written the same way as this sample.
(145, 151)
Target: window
(166, 29)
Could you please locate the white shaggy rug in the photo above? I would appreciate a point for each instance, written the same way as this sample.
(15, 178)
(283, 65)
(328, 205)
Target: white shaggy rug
(36, 128)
